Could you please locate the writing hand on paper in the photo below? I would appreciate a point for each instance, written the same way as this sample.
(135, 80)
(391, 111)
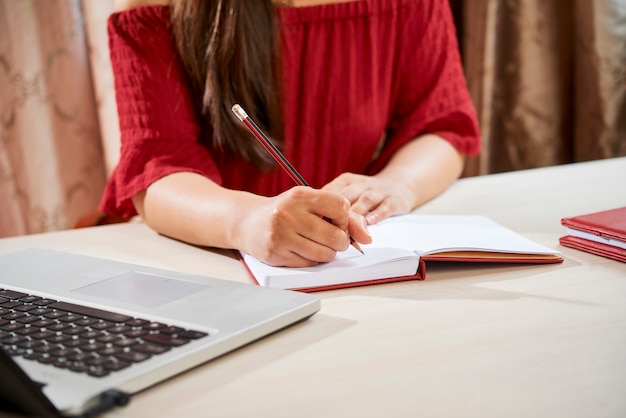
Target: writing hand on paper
(302, 227)
(374, 198)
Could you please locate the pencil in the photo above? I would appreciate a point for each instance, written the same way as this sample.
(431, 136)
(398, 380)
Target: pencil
(276, 154)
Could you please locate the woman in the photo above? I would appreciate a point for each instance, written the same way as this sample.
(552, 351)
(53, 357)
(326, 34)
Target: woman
(366, 99)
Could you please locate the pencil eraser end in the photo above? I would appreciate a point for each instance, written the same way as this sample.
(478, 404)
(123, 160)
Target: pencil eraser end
(238, 110)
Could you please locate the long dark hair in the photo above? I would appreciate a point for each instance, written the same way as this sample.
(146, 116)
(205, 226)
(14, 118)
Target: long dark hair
(230, 49)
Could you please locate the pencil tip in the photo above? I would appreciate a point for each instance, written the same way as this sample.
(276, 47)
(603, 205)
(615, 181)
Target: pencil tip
(356, 245)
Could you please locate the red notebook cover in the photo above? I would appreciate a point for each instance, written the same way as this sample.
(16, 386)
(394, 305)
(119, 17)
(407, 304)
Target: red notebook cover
(419, 275)
(606, 225)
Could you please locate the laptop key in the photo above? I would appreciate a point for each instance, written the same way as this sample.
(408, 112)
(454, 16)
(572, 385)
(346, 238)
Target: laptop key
(125, 342)
(12, 294)
(45, 359)
(165, 339)
(154, 326)
(108, 338)
(55, 314)
(27, 319)
(136, 322)
(12, 340)
(15, 351)
(58, 326)
(29, 344)
(11, 327)
(73, 342)
(77, 367)
(74, 330)
(102, 325)
(55, 339)
(91, 346)
(44, 302)
(192, 335)
(11, 304)
(25, 308)
(88, 311)
(27, 330)
(171, 330)
(30, 299)
(91, 335)
(134, 333)
(46, 348)
(115, 365)
(150, 348)
(62, 352)
(43, 335)
(86, 321)
(97, 372)
(40, 311)
(109, 351)
(118, 329)
(70, 318)
(132, 356)
(13, 315)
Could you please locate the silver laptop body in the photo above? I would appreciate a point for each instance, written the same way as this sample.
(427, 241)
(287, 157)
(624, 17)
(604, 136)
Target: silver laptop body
(232, 314)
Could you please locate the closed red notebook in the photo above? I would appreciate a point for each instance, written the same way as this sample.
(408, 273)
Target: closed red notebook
(601, 233)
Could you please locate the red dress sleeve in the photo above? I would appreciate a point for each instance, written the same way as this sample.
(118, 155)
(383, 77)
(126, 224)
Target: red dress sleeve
(431, 96)
(158, 124)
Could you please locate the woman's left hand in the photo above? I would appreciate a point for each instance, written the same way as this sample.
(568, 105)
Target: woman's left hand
(373, 197)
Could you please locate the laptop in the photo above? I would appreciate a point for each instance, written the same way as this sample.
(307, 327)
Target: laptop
(81, 334)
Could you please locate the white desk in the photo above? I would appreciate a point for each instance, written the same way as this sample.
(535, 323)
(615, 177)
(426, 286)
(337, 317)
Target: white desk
(479, 340)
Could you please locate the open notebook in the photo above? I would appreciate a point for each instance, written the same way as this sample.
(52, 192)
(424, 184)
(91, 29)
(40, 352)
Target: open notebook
(88, 332)
(400, 249)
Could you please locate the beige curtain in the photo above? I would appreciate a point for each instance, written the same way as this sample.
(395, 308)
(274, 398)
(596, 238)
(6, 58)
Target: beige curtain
(548, 79)
(52, 169)
(96, 14)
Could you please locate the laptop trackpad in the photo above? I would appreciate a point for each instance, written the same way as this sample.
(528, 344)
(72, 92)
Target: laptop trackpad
(142, 289)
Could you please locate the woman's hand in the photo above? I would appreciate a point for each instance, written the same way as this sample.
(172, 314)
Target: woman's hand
(420, 170)
(373, 197)
(301, 227)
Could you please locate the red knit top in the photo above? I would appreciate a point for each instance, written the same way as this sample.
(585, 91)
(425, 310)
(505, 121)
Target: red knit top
(361, 79)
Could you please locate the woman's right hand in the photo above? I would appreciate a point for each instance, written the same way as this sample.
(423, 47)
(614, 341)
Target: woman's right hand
(301, 227)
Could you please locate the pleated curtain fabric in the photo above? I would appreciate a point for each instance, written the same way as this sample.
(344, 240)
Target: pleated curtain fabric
(548, 79)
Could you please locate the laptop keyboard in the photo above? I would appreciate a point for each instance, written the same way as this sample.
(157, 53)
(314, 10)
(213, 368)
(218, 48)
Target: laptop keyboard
(80, 338)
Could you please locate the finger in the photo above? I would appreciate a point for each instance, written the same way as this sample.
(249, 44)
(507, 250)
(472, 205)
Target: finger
(383, 211)
(338, 183)
(297, 251)
(368, 201)
(358, 229)
(349, 185)
(327, 234)
(353, 192)
(290, 259)
(282, 255)
(330, 205)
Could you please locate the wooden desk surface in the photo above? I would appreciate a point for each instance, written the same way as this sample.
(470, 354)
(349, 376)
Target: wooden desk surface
(478, 341)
